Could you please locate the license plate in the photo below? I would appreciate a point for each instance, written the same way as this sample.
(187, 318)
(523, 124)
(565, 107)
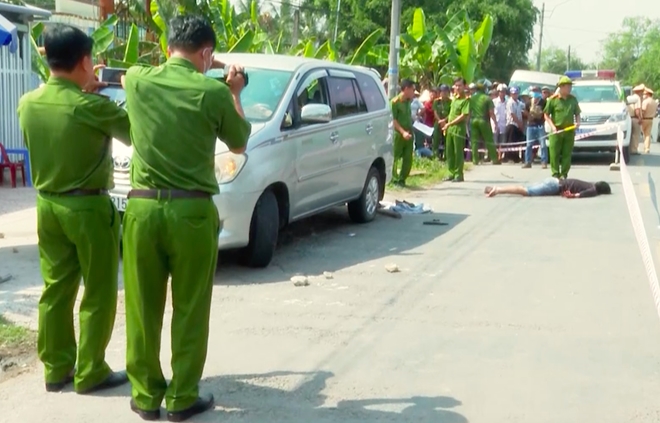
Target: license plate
(585, 130)
(120, 202)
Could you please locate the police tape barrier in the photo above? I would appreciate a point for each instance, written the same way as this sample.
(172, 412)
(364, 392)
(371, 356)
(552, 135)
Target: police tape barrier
(522, 145)
(638, 225)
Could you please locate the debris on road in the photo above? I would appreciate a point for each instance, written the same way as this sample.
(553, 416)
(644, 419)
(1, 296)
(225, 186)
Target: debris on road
(405, 207)
(506, 176)
(5, 278)
(437, 222)
(2, 235)
(392, 268)
(328, 275)
(300, 281)
(14, 250)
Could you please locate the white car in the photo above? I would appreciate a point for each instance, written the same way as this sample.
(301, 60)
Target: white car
(604, 112)
(321, 137)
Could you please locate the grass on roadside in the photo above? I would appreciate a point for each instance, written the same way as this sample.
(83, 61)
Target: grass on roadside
(15, 339)
(425, 173)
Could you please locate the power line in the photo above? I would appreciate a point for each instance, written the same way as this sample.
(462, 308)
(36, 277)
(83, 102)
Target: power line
(579, 29)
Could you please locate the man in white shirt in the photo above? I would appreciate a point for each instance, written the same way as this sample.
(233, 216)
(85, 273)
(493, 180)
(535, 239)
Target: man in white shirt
(500, 114)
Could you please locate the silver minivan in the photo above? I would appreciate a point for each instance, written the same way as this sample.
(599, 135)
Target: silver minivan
(321, 137)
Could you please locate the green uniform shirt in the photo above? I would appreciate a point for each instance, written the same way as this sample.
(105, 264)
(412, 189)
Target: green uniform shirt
(69, 136)
(177, 114)
(562, 111)
(402, 113)
(442, 107)
(480, 106)
(459, 106)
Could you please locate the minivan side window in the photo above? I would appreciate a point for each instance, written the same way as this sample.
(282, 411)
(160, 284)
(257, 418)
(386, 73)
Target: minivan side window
(371, 92)
(312, 93)
(362, 108)
(343, 97)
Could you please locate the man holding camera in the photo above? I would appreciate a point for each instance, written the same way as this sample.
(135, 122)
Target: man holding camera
(171, 224)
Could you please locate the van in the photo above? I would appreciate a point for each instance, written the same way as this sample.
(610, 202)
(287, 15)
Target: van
(524, 79)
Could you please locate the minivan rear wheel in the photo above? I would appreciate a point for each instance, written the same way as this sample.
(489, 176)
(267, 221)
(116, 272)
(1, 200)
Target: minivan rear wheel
(364, 209)
(264, 229)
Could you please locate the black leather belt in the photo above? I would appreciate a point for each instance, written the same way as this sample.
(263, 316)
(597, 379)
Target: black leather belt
(77, 192)
(164, 194)
(648, 118)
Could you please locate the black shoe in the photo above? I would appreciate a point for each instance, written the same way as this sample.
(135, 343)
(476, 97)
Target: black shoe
(458, 179)
(58, 386)
(527, 166)
(497, 163)
(114, 380)
(145, 414)
(201, 405)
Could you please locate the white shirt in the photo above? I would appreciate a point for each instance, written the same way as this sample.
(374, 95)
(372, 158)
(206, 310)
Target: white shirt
(414, 107)
(513, 107)
(500, 115)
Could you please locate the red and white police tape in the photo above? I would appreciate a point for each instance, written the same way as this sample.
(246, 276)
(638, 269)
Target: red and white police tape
(638, 225)
(520, 146)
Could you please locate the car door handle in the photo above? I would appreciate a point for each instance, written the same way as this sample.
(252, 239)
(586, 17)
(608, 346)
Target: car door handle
(369, 128)
(334, 137)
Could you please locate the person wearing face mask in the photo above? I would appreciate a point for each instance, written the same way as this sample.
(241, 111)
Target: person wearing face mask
(67, 129)
(171, 225)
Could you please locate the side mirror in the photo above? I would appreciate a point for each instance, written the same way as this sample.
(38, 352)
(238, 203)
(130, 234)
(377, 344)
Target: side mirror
(315, 113)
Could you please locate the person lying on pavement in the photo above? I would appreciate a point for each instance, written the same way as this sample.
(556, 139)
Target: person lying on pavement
(568, 188)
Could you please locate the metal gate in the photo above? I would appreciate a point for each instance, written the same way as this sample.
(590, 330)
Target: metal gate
(16, 79)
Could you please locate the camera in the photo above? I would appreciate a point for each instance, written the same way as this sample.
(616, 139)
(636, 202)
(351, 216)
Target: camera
(111, 76)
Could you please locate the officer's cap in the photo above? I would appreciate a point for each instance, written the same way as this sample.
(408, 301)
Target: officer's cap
(565, 80)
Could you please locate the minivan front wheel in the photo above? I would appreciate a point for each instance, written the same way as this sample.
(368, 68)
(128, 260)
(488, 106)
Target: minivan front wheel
(364, 209)
(264, 229)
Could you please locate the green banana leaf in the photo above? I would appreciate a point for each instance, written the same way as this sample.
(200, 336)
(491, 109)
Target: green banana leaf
(418, 28)
(104, 36)
(361, 53)
(132, 51)
(243, 44)
(483, 36)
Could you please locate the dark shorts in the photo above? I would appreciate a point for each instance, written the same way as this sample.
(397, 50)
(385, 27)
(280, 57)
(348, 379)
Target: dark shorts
(549, 186)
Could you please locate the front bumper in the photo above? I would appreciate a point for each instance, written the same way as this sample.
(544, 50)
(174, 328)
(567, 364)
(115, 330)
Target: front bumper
(604, 137)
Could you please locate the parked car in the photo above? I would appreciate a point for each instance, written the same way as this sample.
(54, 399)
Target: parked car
(321, 137)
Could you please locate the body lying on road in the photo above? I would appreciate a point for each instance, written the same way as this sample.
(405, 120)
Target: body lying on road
(569, 188)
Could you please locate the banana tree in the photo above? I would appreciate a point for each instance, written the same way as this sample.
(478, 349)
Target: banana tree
(103, 37)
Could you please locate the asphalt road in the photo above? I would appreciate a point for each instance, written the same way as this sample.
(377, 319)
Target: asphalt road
(519, 311)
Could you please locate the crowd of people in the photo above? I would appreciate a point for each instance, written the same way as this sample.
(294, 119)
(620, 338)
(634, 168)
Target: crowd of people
(492, 116)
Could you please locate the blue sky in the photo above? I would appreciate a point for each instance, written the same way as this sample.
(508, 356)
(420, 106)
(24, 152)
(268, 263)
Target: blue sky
(583, 24)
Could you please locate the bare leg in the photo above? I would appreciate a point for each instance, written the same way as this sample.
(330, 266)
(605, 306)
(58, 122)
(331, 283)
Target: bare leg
(514, 189)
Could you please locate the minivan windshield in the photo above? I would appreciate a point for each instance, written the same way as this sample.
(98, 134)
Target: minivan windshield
(523, 86)
(259, 99)
(596, 93)
(263, 93)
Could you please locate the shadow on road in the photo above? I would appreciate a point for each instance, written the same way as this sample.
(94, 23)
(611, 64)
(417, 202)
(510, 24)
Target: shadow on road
(330, 242)
(260, 398)
(16, 199)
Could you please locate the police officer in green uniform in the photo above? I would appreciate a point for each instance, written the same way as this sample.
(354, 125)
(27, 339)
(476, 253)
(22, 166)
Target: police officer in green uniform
(561, 110)
(456, 132)
(403, 132)
(441, 107)
(68, 131)
(482, 112)
(171, 225)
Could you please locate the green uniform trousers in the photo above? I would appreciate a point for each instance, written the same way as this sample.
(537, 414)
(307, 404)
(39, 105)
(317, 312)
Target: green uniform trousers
(78, 238)
(438, 138)
(454, 146)
(177, 237)
(403, 151)
(561, 149)
(481, 130)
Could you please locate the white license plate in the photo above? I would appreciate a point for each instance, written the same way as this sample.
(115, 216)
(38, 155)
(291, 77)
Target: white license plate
(585, 130)
(120, 202)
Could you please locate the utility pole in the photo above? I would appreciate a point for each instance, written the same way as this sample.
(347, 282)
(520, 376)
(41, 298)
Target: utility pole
(337, 21)
(296, 25)
(538, 57)
(393, 71)
(568, 59)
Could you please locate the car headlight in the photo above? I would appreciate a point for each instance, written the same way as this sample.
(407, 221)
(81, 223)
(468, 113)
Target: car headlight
(228, 165)
(619, 117)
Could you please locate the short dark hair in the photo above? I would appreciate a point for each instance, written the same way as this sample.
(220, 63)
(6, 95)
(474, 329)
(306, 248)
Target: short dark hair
(190, 33)
(457, 80)
(603, 187)
(407, 83)
(66, 46)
